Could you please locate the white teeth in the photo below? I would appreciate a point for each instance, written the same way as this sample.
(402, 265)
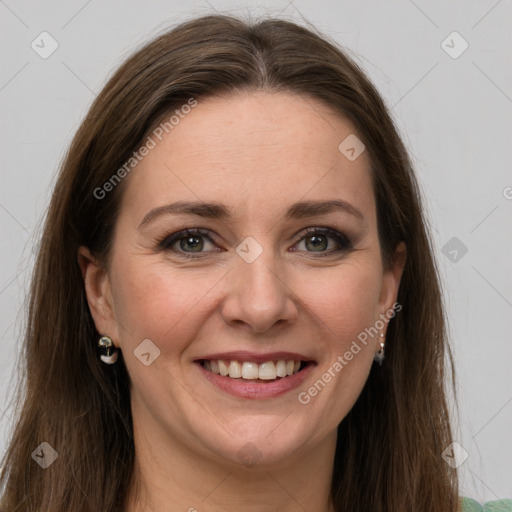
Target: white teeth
(281, 369)
(249, 370)
(223, 368)
(235, 372)
(269, 370)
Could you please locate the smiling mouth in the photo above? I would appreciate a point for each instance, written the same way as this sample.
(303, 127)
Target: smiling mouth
(269, 371)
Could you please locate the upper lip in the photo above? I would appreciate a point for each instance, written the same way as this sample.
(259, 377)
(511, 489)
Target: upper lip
(254, 357)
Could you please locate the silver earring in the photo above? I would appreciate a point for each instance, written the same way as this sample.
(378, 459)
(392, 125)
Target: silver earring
(108, 352)
(379, 355)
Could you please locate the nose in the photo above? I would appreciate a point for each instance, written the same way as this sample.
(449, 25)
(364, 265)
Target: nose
(258, 296)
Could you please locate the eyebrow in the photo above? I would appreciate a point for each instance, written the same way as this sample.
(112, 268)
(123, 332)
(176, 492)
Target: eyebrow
(219, 211)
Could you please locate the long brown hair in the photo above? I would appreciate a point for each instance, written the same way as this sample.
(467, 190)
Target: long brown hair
(388, 454)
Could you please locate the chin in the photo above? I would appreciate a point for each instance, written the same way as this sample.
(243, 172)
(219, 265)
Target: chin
(270, 443)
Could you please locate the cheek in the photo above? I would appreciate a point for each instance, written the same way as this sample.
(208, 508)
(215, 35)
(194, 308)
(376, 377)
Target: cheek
(344, 302)
(156, 302)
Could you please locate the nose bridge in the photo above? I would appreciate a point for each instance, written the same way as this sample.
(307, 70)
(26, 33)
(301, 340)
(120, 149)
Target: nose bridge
(258, 295)
(261, 278)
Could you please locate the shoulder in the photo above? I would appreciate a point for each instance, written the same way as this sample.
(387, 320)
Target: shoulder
(470, 505)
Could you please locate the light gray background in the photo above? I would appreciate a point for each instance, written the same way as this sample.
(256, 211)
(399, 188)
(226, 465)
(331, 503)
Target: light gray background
(455, 116)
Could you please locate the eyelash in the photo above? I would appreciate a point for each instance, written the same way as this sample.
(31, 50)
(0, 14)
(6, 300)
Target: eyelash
(168, 241)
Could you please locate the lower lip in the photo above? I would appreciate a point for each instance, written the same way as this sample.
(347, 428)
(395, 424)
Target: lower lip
(256, 390)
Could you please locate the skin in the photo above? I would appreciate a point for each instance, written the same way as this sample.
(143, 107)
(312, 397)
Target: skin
(257, 153)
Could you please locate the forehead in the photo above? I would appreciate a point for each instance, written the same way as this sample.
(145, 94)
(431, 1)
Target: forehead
(256, 152)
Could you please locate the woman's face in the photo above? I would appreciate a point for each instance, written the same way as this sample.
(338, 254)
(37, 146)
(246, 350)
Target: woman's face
(278, 274)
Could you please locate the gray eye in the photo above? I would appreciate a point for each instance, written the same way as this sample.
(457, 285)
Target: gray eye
(317, 242)
(194, 242)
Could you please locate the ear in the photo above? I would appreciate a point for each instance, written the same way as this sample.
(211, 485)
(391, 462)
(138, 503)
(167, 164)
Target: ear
(391, 280)
(99, 295)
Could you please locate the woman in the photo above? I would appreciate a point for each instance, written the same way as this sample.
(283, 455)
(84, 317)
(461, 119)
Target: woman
(235, 304)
